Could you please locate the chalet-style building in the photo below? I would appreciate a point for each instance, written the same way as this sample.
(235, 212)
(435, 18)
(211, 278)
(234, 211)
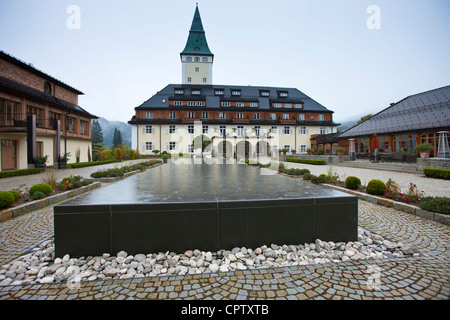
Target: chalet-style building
(32, 106)
(414, 120)
(239, 120)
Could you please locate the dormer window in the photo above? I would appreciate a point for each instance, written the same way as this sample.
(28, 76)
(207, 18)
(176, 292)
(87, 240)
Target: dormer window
(179, 91)
(219, 92)
(264, 93)
(236, 92)
(196, 92)
(298, 105)
(283, 94)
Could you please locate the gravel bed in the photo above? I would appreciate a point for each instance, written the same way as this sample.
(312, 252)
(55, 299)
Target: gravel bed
(41, 266)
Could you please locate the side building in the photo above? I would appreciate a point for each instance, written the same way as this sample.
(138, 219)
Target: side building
(26, 91)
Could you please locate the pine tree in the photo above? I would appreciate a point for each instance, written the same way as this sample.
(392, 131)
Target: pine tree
(97, 138)
(117, 138)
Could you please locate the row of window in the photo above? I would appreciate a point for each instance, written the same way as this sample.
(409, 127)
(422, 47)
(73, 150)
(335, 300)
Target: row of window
(234, 92)
(240, 130)
(189, 80)
(149, 146)
(196, 59)
(239, 104)
(239, 115)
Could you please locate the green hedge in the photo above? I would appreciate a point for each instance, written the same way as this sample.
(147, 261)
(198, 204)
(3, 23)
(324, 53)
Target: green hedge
(23, 172)
(437, 173)
(89, 164)
(436, 204)
(306, 161)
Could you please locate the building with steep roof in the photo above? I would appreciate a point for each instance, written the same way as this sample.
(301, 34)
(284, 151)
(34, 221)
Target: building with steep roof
(28, 92)
(239, 120)
(413, 120)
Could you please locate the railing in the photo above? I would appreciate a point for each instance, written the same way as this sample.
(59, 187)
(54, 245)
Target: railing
(19, 120)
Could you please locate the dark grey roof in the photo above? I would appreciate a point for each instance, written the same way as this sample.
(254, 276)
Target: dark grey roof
(422, 111)
(43, 97)
(30, 68)
(248, 93)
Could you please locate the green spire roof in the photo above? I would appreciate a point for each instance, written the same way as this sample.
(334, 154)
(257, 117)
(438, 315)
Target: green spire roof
(196, 43)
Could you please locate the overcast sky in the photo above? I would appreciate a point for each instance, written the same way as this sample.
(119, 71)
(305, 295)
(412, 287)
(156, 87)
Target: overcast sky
(352, 60)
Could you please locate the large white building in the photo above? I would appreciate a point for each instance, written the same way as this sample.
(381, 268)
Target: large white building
(245, 121)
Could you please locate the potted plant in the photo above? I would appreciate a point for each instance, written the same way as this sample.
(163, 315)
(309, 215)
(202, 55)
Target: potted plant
(293, 151)
(41, 162)
(164, 158)
(310, 151)
(62, 160)
(320, 151)
(424, 149)
(284, 151)
(340, 151)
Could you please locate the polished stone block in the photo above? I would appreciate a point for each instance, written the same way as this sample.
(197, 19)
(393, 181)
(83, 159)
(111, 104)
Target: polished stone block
(176, 207)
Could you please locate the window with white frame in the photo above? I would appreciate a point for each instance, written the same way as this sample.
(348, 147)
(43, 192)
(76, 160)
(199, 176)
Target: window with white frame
(225, 104)
(254, 104)
(197, 69)
(222, 115)
(148, 129)
(205, 115)
(223, 130)
(179, 91)
(321, 117)
(274, 129)
(149, 115)
(177, 103)
(172, 115)
(257, 130)
(190, 148)
(197, 59)
(323, 130)
(286, 130)
(205, 129)
(286, 116)
(189, 59)
(303, 148)
(191, 115)
(288, 105)
(191, 103)
(301, 116)
(204, 80)
(236, 92)
(298, 105)
(196, 92)
(287, 147)
(148, 146)
(283, 94)
(172, 129)
(239, 104)
(172, 146)
(201, 103)
(204, 59)
(256, 116)
(239, 115)
(303, 130)
(189, 79)
(265, 93)
(190, 129)
(240, 131)
(219, 92)
(277, 105)
(273, 116)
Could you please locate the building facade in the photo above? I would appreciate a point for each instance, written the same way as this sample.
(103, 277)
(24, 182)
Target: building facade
(26, 91)
(245, 121)
(413, 120)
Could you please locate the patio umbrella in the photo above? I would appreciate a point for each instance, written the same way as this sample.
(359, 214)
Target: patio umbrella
(375, 145)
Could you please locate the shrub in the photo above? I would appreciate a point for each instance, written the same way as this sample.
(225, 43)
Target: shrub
(314, 179)
(424, 147)
(376, 187)
(304, 171)
(38, 195)
(323, 178)
(436, 204)
(352, 182)
(306, 161)
(437, 173)
(42, 187)
(307, 176)
(15, 194)
(97, 174)
(6, 199)
(14, 173)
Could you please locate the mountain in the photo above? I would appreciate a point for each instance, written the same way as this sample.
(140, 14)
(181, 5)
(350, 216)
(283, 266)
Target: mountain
(346, 125)
(108, 131)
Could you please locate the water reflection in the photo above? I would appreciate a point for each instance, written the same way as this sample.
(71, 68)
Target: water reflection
(201, 182)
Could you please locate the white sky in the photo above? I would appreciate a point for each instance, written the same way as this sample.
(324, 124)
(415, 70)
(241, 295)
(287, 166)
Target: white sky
(126, 51)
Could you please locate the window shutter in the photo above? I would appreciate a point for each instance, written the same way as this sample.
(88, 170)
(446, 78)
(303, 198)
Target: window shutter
(143, 146)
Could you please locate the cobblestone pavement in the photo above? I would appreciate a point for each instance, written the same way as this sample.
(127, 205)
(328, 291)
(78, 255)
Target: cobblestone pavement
(412, 278)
